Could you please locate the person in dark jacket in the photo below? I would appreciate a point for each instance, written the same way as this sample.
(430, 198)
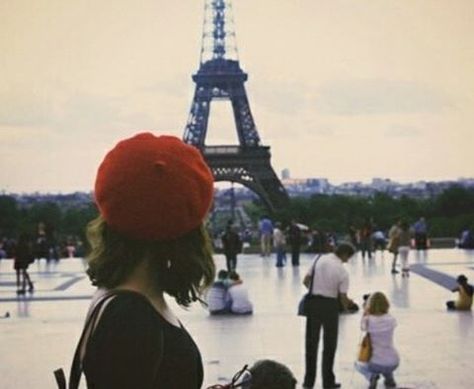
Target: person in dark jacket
(295, 239)
(232, 246)
(23, 258)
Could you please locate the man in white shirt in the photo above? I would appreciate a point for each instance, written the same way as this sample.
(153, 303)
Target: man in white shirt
(330, 282)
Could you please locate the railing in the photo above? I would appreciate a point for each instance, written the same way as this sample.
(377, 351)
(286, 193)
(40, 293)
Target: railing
(221, 150)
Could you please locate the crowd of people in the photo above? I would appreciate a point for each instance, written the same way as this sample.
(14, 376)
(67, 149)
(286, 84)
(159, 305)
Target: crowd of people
(157, 245)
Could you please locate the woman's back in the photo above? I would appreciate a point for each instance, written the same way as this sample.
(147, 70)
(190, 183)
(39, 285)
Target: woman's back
(133, 346)
(240, 302)
(381, 329)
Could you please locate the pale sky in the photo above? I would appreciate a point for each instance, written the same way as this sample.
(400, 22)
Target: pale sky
(346, 90)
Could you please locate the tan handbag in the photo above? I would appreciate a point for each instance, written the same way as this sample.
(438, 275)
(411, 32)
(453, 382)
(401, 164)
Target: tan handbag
(365, 350)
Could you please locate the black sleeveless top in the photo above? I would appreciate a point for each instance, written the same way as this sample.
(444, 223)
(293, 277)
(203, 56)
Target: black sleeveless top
(134, 347)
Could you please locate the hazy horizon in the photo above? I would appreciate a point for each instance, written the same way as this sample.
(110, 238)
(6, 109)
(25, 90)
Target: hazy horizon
(341, 90)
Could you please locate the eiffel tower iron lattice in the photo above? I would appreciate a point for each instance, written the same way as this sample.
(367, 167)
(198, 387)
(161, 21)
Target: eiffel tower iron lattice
(220, 77)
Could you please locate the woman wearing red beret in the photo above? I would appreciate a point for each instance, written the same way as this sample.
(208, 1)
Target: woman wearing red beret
(153, 194)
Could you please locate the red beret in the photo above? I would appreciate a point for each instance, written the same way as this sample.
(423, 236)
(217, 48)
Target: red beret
(153, 188)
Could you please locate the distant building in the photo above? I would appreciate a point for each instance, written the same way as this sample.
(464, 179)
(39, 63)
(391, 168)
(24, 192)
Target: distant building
(285, 174)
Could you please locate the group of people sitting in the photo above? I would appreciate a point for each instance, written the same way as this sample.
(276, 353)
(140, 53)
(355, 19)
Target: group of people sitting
(229, 295)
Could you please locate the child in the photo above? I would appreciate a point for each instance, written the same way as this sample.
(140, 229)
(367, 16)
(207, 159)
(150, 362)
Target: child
(381, 326)
(239, 297)
(464, 301)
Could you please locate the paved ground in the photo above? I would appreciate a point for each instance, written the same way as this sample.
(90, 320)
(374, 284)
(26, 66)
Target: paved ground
(436, 347)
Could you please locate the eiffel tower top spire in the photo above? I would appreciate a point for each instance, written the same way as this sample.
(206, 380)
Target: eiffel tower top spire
(220, 77)
(218, 36)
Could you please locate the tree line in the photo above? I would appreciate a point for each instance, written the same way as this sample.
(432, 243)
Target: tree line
(447, 214)
(64, 221)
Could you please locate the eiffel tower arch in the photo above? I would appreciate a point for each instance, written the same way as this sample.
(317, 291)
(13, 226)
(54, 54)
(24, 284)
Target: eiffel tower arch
(220, 77)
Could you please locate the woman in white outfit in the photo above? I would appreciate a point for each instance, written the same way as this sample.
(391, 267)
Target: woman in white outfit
(381, 326)
(404, 241)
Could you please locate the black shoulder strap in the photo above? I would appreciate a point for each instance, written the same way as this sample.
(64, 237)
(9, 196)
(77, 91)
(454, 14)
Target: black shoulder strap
(312, 276)
(76, 367)
(91, 323)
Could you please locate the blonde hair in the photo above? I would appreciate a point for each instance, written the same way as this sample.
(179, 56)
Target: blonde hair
(378, 304)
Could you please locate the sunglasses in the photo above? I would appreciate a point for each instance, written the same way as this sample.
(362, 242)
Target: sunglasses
(241, 379)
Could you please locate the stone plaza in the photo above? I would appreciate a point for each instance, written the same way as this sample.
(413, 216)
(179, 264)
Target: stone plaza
(436, 346)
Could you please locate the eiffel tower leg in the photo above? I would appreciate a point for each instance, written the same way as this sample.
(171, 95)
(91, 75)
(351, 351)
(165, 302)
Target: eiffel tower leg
(249, 167)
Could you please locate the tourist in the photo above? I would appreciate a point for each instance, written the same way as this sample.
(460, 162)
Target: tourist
(380, 325)
(268, 374)
(421, 234)
(393, 243)
(279, 242)
(218, 301)
(365, 236)
(232, 245)
(266, 233)
(330, 283)
(405, 235)
(153, 194)
(294, 240)
(379, 241)
(467, 239)
(465, 292)
(239, 296)
(22, 259)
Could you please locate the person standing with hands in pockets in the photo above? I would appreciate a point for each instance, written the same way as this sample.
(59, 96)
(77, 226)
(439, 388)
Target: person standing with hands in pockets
(330, 281)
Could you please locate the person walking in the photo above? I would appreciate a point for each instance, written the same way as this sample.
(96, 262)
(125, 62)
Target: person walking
(393, 243)
(279, 241)
(365, 235)
(405, 236)
(294, 239)
(153, 193)
(23, 257)
(330, 285)
(266, 233)
(232, 245)
(421, 234)
(380, 325)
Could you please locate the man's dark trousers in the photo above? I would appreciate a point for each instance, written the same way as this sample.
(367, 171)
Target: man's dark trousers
(231, 260)
(295, 255)
(325, 314)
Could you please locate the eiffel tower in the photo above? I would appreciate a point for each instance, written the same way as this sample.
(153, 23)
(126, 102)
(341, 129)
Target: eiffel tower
(220, 77)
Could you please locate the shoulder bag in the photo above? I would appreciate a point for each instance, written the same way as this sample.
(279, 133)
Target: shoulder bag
(303, 306)
(365, 348)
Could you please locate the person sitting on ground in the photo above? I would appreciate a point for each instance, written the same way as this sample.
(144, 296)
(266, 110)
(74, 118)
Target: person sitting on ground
(381, 326)
(464, 301)
(239, 297)
(271, 374)
(217, 297)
